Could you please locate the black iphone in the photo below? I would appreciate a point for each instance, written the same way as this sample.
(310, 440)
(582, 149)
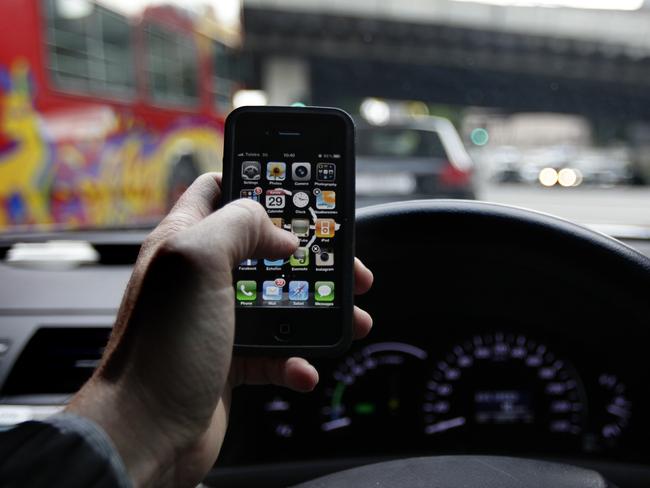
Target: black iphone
(298, 163)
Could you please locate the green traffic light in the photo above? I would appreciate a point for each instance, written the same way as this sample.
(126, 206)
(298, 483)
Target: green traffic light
(479, 137)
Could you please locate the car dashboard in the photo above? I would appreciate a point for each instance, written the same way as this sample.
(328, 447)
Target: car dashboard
(541, 372)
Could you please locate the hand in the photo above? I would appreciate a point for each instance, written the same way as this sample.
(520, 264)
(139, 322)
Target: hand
(162, 390)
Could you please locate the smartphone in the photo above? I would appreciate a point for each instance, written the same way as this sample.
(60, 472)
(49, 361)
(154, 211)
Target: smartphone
(299, 164)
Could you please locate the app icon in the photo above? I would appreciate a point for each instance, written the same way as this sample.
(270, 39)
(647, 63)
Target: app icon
(300, 257)
(301, 171)
(276, 171)
(298, 291)
(271, 291)
(278, 222)
(325, 227)
(252, 194)
(300, 227)
(300, 199)
(324, 291)
(248, 262)
(274, 262)
(325, 172)
(275, 198)
(250, 170)
(325, 257)
(246, 291)
(326, 200)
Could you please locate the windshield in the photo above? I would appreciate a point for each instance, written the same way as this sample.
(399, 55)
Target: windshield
(110, 109)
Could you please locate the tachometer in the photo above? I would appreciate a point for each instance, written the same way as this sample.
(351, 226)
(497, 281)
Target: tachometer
(615, 410)
(375, 389)
(500, 388)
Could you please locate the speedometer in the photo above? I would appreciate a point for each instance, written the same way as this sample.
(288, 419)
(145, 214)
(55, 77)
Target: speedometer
(374, 392)
(500, 388)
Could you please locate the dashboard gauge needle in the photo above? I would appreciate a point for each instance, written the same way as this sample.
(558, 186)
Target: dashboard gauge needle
(445, 425)
(336, 424)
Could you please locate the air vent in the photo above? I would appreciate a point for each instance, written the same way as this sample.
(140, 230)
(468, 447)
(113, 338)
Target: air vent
(56, 360)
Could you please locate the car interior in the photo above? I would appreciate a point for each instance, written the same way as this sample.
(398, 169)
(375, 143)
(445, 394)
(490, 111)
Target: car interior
(498, 331)
(502, 204)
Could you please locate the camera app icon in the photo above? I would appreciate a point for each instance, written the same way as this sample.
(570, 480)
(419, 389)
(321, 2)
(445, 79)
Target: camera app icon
(250, 170)
(325, 257)
(301, 171)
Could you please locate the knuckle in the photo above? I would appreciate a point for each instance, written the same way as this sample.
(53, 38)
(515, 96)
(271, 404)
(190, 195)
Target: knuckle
(250, 214)
(254, 210)
(177, 253)
(205, 178)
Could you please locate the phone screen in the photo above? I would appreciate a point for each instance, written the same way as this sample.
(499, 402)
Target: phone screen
(295, 167)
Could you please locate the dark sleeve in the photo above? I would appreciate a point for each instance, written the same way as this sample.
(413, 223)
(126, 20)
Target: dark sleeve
(63, 451)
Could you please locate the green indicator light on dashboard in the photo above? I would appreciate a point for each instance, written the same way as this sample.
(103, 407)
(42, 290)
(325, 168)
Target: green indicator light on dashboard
(364, 408)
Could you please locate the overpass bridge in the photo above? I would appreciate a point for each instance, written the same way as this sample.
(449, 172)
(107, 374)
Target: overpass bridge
(590, 62)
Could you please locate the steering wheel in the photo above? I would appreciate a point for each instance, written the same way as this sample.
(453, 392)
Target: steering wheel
(507, 243)
(462, 472)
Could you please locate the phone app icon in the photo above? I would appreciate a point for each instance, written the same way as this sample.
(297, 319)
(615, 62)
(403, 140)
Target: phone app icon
(298, 291)
(301, 171)
(325, 227)
(300, 199)
(250, 170)
(325, 257)
(325, 172)
(276, 171)
(275, 199)
(300, 227)
(248, 262)
(271, 291)
(246, 291)
(300, 257)
(324, 291)
(278, 222)
(326, 200)
(274, 262)
(252, 194)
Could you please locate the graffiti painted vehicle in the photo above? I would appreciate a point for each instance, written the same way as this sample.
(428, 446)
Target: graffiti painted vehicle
(106, 113)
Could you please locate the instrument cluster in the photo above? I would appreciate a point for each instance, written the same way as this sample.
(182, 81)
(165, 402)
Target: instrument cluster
(489, 392)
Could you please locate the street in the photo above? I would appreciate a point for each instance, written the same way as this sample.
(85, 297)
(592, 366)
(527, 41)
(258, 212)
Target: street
(587, 205)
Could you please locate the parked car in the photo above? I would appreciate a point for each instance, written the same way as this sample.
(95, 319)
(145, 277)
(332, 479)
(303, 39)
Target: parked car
(412, 157)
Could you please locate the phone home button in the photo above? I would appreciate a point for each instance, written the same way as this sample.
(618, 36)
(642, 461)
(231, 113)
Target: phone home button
(283, 332)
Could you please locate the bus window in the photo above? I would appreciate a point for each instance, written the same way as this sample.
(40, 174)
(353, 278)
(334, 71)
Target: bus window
(172, 64)
(90, 54)
(226, 75)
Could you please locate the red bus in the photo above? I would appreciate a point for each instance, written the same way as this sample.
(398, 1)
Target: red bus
(106, 117)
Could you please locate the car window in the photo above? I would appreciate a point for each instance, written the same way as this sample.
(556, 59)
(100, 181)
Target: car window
(399, 143)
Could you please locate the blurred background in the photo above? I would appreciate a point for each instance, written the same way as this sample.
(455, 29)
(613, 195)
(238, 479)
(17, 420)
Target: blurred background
(109, 109)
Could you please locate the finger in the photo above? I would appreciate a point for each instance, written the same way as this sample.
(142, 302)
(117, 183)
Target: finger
(363, 277)
(240, 230)
(294, 373)
(198, 201)
(362, 323)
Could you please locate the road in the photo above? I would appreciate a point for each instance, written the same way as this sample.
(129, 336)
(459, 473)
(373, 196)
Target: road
(586, 205)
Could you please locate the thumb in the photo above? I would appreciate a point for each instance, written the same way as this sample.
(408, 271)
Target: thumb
(238, 231)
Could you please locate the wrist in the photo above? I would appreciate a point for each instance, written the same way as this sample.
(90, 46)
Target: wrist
(138, 436)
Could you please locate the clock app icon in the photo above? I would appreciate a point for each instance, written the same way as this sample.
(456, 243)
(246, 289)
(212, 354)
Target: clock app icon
(301, 199)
